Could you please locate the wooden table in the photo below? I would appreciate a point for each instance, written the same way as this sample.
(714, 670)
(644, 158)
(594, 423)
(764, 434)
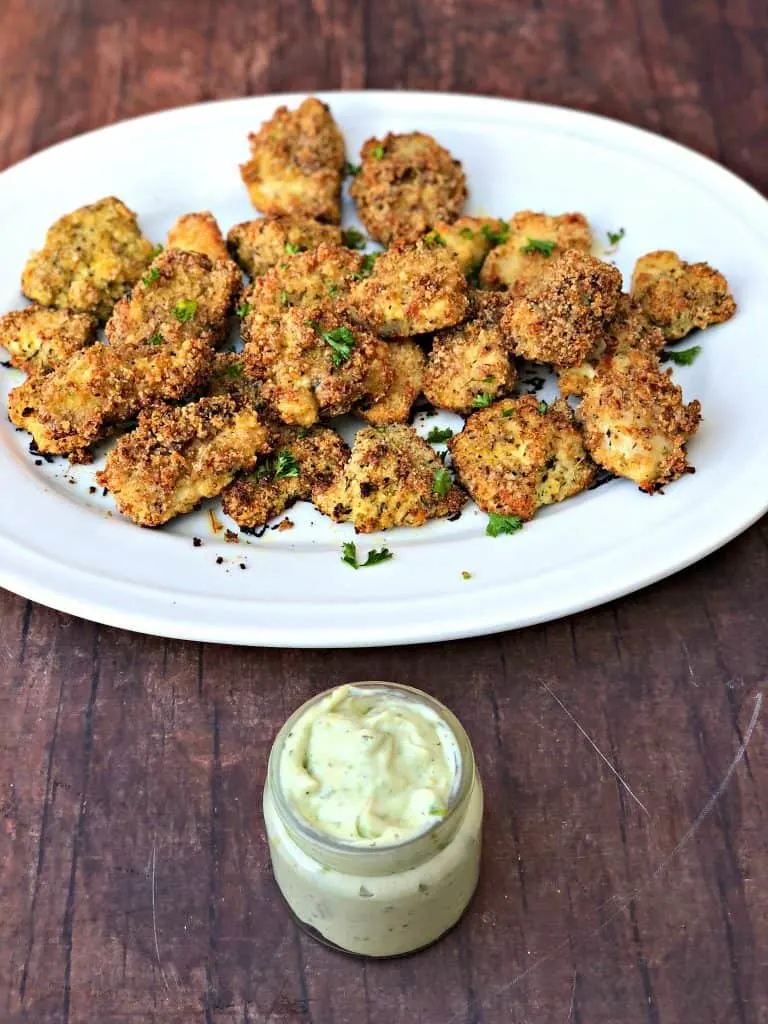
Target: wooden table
(625, 874)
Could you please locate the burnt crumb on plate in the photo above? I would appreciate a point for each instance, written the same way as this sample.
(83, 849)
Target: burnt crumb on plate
(285, 524)
(243, 565)
(603, 476)
(219, 560)
(38, 462)
(91, 490)
(232, 537)
(253, 532)
(456, 516)
(196, 542)
(34, 450)
(104, 492)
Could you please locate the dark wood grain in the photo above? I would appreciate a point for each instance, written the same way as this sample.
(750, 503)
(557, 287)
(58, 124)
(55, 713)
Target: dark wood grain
(134, 878)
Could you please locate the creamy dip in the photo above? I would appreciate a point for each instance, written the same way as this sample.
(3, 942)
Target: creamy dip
(373, 810)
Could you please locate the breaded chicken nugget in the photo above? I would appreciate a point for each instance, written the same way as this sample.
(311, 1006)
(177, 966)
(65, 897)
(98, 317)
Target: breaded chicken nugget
(629, 329)
(407, 362)
(182, 292)
(635, 422)
(394, 478)
(37, 339)
(258, 245)
(412, 289)
(302, 460)
(90, 259)
(198, 232)
(471, 365)
(406, 184)
(171, 369)
(520, 454)
(77, 403)
(471, 238)
(313, 363)
(229, 376)
(322, 276)
(179, 455)
(565, 311)
(297, 163)
(533, 242)
(678, 296)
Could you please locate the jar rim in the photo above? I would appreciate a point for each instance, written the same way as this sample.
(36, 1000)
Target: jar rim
(335, 845)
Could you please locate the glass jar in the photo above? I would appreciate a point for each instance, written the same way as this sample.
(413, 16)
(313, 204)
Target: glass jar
(378, 900)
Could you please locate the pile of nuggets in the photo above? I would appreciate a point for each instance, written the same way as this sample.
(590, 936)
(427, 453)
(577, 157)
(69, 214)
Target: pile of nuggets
(444, 312)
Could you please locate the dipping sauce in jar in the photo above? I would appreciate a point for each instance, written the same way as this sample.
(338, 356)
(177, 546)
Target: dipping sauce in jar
(373, 808)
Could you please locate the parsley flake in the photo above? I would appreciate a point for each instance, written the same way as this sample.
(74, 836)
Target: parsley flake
(350, 170)
(542, 245)
(150, 276)
(506, 413)
(543, 407)
(439, 434)
(353, 239)
(233, 370)
(367, 266)
(466, 575)
(686, 357)
(496, 236)
(243, 309)
(482, 401)
(285, 465)
(466, 233)
(349, 556)
(156, 339)
(341, 341)
(441, 482)
(378, 152)
(185, 310)
(614, 237)
(503, 524)
(156, 251)
(292, 249)
(434, 238)
(283, 297)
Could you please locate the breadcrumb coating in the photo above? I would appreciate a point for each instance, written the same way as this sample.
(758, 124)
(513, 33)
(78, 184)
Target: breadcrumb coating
(406, 360)
(565, 312)
(470, 238)
(90, 259)
(471, 362)
(258, 245)
(412, 289)
(635, 422)
(517, 263)
(198, 232)
(37, 339)
(302, 461)
(407, 184)
(678, 296)
(393, 478)
(520, 454)
(229, 376)
(297, 163)
(177, 456)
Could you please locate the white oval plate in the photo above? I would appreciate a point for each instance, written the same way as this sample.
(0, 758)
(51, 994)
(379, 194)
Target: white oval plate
(61, 545)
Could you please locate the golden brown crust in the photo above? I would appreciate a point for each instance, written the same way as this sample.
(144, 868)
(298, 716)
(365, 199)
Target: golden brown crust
(198, 232)
(176, 457)
(38, 339)
(317, 456)
(678, 296)
(258, 245)
(520, 454)
(470, 238)
(77, 403)
(564, 312)
(407, 184)
(183, 294)
(229, 376)
(297, 163)
(471, 362)
(393, 478)
(511, 266)
(412, 289)
(635, 422)
(396, 398)
(90, 259)
(313, 363)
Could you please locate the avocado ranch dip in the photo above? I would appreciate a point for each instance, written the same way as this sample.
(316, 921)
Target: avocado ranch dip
(373, 811)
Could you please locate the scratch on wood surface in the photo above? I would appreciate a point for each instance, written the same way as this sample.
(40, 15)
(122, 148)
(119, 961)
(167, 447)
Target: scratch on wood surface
(625, 901)
(573, 1000)
(594, 746)
(692, 674)
(154, 919)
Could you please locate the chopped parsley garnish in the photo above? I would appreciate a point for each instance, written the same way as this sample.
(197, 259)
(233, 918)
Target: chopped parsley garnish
(349, 556)
(243, 309)
(434, 238)
(466, 575)
(503, 524)
(285, 465)
(292, 249)
(350, 170)
(150, 276)
(496, 236)
(438, 812)
(366, 269)
(156, 339)
(441, 482)
(233, 370)
(543, 407)
(377, 152)
(283, 297)
(686, 357)
(333, 290)
(185, 310)
(439, 434)
(467, 233)
(506, 413)
(352, 238)
(342, 341)
(541, 245)
(156, 251)
(614, 237)
(482, 401)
